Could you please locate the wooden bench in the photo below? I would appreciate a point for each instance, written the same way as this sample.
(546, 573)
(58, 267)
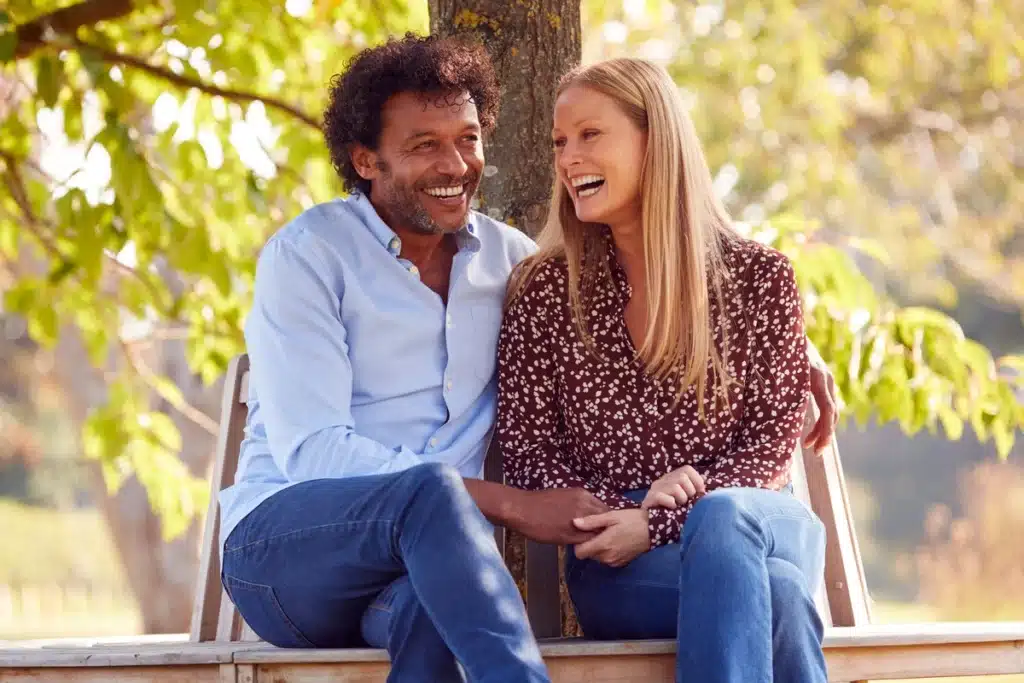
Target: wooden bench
(220, 648)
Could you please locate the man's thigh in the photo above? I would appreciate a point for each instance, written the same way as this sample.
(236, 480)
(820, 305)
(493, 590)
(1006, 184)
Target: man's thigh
(304, 566)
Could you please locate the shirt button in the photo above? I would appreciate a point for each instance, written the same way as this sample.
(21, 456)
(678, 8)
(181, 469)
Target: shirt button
(433, 443)
(448, 386)
(448, 320)
(395, 244)
(414, 270)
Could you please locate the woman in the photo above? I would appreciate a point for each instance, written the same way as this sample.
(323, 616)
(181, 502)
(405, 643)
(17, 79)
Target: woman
(656, 358)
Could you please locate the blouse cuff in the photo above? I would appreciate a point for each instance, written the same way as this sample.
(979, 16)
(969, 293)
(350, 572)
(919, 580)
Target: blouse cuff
(664, 525)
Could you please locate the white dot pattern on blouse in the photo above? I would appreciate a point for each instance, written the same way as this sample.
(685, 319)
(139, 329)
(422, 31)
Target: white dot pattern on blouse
(567, 419)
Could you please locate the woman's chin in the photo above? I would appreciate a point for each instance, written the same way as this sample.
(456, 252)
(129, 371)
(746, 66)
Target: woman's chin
(589, 215)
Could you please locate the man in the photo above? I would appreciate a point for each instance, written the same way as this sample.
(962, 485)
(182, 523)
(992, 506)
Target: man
(358, 513)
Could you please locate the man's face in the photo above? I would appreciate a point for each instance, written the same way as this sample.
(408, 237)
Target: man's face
(427, 166)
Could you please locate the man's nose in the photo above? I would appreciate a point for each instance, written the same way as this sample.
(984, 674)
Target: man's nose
(451, 163)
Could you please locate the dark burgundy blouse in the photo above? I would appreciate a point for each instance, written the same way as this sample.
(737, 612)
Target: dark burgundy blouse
(568, 419)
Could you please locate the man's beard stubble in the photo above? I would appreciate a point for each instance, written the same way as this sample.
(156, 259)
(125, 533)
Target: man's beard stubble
(404, 206)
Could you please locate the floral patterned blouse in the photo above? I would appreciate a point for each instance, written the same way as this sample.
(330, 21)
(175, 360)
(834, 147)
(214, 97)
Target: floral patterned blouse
(568, 419)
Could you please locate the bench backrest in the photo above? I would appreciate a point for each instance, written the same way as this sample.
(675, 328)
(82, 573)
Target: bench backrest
(818, 480)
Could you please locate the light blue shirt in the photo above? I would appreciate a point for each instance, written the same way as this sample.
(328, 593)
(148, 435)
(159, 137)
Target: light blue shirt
(359, 368)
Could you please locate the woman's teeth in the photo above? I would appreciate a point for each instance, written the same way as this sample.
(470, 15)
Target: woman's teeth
(587, 185)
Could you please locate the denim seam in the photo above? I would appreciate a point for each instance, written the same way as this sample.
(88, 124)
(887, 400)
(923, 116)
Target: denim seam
(648, 584)
(271, 594)
(782, 515)
(296, 532)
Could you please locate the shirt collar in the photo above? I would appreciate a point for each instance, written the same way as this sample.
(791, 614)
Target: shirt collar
(467, 237)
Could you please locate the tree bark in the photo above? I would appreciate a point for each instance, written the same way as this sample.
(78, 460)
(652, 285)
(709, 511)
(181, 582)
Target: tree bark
(532, 43)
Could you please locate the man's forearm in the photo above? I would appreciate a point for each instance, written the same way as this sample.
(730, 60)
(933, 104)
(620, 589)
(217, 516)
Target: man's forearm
(497, 502)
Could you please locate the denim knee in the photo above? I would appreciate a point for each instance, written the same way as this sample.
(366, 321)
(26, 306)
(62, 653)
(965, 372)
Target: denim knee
(788, 587)
(721, 510)
(437, 481)
(431, 474)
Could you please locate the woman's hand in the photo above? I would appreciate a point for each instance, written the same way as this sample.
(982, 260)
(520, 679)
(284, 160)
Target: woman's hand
(623, 537)
(674, 489)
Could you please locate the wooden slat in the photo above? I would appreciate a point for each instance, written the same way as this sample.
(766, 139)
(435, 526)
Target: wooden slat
(844, 575)
(802, 492)
(121, 655)
(883, 653)
(894, 652)
(924, 661)
(935, 633)
(229, 623)
(356, 672)
(206, 608)
(493, 472)
(543, 601)
(136, 674)
(268, 654)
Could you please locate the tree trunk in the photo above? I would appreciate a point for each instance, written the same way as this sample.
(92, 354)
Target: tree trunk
(532, 43)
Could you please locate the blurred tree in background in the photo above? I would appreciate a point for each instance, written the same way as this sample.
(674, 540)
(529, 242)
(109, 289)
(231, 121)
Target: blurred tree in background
(148, 148)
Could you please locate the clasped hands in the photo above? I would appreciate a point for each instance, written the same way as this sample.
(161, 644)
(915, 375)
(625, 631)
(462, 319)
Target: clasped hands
(622, 535)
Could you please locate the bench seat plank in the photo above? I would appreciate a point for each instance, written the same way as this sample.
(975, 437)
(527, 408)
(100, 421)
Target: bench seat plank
(891, 652)
(210, 673)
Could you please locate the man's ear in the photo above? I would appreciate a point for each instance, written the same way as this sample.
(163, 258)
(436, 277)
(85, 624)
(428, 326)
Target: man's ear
(364, 160)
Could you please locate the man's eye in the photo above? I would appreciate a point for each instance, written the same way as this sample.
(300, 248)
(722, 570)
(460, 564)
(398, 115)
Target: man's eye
(472, 138)
(424, 146)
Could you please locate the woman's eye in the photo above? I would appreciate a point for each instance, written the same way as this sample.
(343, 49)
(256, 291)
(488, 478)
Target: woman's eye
(559, 143)
(590, 134)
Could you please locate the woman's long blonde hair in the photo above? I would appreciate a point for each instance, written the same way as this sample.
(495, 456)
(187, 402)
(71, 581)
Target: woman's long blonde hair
(684, 229)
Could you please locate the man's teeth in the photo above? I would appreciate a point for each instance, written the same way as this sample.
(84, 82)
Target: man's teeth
(586, 180)
(453, 191)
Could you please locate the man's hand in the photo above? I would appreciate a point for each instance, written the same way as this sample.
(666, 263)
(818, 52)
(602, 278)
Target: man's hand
(547, 516)
(823, 389)
(543, 516)
(623, 537)
(674, 489)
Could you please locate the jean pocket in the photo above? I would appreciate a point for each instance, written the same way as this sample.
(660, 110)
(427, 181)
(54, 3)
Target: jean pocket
(259, 606)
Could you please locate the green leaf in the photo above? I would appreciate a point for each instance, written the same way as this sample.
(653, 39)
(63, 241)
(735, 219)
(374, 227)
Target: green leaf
(43, 325)
(162, 430)
(951, 422)
(8, 37)
(48, 76)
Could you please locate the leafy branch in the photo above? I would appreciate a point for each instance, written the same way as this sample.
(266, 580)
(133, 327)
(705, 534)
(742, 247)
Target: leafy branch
(131, 61)
(35, 34)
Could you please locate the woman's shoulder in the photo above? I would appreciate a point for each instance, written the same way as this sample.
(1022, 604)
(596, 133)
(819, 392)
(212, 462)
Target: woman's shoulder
(753, 265)
(539, 282)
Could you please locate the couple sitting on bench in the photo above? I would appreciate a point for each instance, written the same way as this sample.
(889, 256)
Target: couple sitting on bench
(643, 368)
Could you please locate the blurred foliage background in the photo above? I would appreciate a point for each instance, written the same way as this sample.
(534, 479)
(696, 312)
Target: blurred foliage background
(149, 148)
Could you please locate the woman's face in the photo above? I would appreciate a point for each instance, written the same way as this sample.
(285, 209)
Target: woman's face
(599, 154)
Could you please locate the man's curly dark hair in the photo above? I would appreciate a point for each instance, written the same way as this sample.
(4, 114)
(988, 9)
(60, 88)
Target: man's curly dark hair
(422, 64)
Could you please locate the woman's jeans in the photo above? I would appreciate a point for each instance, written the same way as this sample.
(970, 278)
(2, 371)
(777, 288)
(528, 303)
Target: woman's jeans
(400, 561)
(737, 591)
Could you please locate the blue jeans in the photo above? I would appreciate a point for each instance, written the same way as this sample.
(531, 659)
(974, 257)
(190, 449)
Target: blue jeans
(401, 561)
(737, 591)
